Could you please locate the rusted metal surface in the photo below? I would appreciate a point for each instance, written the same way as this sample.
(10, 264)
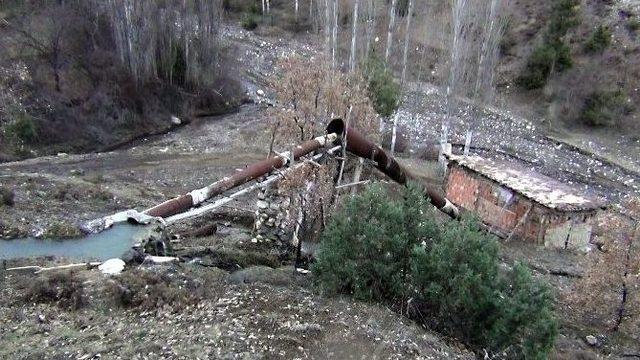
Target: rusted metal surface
(171, 207)
(359, 145)
(251, 172)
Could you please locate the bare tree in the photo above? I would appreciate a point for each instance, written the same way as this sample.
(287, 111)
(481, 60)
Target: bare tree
(354, 33)
(487, 62)
(327, 26)
(407, 37)
(306, 88)
(334, 34)
(371, 25)
(45, 35)
(151, 37)
(392, 21)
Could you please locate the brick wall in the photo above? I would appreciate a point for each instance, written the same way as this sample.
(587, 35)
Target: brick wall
(509, 214)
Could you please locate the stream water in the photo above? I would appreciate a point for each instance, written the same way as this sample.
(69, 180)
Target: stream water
(111, 243)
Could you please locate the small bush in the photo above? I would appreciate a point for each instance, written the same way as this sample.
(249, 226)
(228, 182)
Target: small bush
(249, 21)
(526, 324)
(366, 249)
(456, 277)
(599, 40)
(238, 6)
(553, 54)
(7, 196)
(603, 108)
(538, 68)
(384, 91)
(459, 279)
(378, 248)
(22, 128)
(565, 15)
(61, 288)
(633, 25)
(255, 9)
(544, 60)
(148, 290)
(62, 230)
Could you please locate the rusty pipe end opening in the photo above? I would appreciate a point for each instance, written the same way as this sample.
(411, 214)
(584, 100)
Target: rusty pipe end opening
(336, 126)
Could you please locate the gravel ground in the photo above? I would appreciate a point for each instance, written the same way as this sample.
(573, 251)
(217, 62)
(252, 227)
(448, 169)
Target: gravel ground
(608, 166)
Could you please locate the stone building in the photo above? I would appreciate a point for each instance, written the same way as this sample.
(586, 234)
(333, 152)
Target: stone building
(517, 203)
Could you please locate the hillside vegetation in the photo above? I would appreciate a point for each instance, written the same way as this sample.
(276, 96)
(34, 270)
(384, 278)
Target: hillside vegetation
(81, 76)
(563, 62)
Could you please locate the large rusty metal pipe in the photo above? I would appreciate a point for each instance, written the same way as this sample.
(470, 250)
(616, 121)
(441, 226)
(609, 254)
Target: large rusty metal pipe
(359, 145)
(194, 198)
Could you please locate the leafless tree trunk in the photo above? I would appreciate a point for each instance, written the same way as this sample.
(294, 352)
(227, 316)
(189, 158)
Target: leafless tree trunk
(394, 134)
(334, 43)
(344, 147)
(456, 75)
(407, 37)
(149, 36)
(47, 43)
(371, 26)
(392, 21)
(487, 61)
(327, 26)
(357, 174)
(353, 57)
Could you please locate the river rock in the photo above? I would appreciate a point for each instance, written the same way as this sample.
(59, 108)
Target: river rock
(112, 267)
(175, 120)
(77, 172)
(591, 340)
(133, 256)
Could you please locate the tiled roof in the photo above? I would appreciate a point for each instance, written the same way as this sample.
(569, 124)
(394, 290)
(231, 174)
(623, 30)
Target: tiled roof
(535, 186)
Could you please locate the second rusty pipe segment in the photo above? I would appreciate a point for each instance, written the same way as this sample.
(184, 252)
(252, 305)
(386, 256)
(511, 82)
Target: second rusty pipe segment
(196, 197)
(359, 145)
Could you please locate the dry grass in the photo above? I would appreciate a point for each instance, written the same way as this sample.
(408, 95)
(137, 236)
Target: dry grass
(62, 230)
(151, 289)
(63, 289)
(7, 197)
